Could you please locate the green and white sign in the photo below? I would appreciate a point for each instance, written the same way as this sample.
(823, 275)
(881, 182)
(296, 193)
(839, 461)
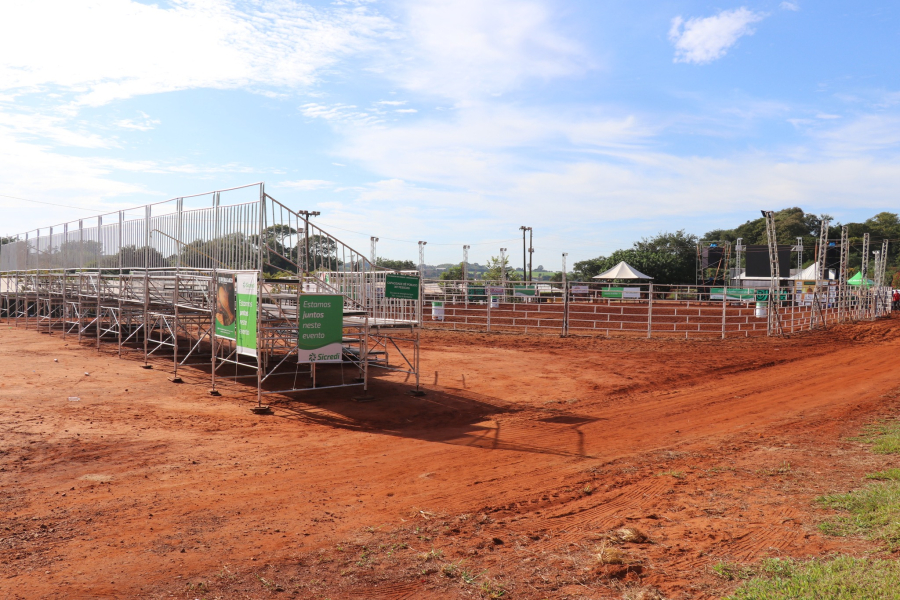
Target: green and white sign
(245, 327)
(320, 328)
(402, 287)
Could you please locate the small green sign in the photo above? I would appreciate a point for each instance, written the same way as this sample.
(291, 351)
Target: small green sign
(402, 287)
(320, 328)
(521, 290)
(245, 325)
(762, 295)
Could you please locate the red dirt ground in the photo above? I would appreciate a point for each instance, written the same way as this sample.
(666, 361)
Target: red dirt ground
(505, 480)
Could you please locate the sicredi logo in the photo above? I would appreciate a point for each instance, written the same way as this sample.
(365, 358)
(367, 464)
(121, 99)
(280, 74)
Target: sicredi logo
(328, 356)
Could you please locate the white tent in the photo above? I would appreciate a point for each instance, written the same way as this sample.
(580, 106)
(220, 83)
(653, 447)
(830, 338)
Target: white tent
(622, 271)
(809, 273)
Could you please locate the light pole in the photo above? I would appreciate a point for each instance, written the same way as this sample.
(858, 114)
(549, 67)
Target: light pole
(465, 265)
(502, 265)
(306, 215)
(422, 259)
(565, 254)
(530, 253)
(524, 260)
(374, 241)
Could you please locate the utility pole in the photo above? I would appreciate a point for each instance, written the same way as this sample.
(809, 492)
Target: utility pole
(565, 254)
(530, 253)
(799, 250)
(738, 249)
(503, 264)
(524, 260)
(374, 241)
(306, 215)
(465, 265)
(422, 259)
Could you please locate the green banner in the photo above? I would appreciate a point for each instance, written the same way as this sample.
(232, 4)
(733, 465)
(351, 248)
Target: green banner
(521, 290)
(246, 295)
(402, 287)
(226, 310)
(762, 295)
(320, 328)
(732, 293)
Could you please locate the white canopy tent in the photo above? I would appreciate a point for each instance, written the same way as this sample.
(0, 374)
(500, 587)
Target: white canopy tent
(622, 271)
(810, 272)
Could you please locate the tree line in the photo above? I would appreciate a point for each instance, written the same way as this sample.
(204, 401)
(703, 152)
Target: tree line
(671, 258)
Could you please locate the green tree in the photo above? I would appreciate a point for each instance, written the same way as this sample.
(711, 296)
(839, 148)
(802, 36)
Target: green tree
(397, 265)
(790, 223)
(495, 270)
(557, 277)
(454, 273)
(666, 257)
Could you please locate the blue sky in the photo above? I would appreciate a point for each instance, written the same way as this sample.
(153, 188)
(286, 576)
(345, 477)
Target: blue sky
(595, 122)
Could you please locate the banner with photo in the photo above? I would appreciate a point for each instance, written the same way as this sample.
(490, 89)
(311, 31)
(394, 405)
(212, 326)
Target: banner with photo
(226, 309)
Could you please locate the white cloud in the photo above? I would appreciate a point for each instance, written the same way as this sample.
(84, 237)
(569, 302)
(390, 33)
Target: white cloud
(145, 123)
(477, 145)
(406, 110)
(340, 113)
(789, 6)
(122, 48)
(703, 40)
(30, 170)
(470, 49)
(866, 134)
(305, 184)
(392, 102)
(56, 129)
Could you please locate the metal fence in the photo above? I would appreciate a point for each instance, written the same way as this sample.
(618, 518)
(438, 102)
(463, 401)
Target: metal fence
(646, 309)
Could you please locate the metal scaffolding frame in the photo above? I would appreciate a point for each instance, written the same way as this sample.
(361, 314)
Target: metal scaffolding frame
(143, 281)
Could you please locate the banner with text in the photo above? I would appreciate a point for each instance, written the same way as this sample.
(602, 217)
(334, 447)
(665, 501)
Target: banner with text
(320, 328)
(402, 287)
(245, 329)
